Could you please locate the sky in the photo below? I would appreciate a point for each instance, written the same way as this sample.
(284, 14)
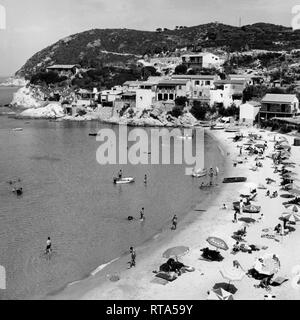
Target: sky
(32, 25)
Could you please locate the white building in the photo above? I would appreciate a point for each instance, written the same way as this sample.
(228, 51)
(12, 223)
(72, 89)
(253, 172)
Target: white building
(171, 89)
(144, 98)
(200, 85)
(109, 96)
(227, 92)
(202, 60)
(249, 112)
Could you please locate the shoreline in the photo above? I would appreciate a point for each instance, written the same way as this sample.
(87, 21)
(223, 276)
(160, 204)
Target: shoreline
(78, 288)
(135, 283)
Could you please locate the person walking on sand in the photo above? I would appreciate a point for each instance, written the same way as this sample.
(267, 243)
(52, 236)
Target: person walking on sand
(145, 179)
(133, 257)
(174, 222)
(235, 216)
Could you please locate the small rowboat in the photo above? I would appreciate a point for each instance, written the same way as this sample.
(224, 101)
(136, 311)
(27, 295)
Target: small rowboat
(17, 129)
(217, 127)
(93, 134)
(123, 180)
(199, 173)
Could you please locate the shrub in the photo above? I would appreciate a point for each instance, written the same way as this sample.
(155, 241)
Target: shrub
(176, 112)
(181, 69)
(199, 110)
(181, 101)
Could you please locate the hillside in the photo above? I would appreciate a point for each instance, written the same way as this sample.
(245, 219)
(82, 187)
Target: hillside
(118, 47)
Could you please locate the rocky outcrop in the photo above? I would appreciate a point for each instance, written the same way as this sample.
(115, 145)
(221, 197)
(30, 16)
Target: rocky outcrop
(28, 97)
(51, 111)
(154, 118)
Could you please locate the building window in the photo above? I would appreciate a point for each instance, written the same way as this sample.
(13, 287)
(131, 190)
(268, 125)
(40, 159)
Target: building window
(166, 96)
(207, 83)
(171, 96)
(159, 97)
(197, 83)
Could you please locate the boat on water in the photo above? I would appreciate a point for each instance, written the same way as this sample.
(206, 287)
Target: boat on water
(17, 129)
(93, 134)
(199, 173)
(123, 180)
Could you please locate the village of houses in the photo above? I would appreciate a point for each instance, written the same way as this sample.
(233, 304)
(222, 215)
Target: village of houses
(160, 92)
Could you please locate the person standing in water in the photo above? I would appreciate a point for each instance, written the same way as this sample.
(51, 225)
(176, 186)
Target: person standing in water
(145, 179)
(48, 246)
(120, 174)
(174, 222)
(142, 213)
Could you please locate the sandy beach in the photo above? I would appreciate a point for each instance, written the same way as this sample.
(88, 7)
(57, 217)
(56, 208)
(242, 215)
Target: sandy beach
(136, 283)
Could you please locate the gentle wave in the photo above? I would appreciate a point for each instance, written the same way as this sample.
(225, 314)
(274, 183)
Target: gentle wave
(102, 266)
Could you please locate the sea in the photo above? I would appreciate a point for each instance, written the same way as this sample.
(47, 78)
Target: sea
(70, 197)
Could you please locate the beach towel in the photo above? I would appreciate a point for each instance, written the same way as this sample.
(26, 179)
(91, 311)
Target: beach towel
(166, 276)
(159, 281)
(278, 281)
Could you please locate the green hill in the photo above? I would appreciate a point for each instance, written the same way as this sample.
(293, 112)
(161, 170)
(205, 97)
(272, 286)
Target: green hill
(119, 47)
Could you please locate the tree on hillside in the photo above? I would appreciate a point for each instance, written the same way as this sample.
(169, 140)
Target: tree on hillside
(199, 110)
(181, 101)
(181, 69)
(159, 30)
(176, 112)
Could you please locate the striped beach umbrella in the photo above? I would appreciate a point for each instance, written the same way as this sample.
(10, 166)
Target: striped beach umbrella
(293, 207)
(232, 274)
(217, 242)
(175, 252)
(219, 294)
(291, 216)
(295, 192)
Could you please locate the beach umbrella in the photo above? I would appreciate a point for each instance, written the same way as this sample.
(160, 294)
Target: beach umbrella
(287, 196)
(295, 192)
(291, 216)
(175, 252)
(225, 286)
(293, 207)
(219, 294)
(232, 274)
(217, 242)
